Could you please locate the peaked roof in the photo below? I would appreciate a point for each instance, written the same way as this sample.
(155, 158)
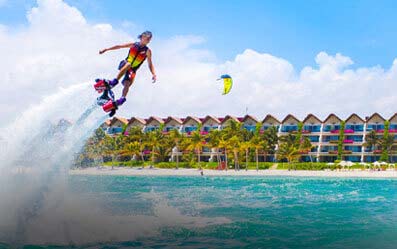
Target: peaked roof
(107, 121)
(193, 118)
(208, 117)
(150, 119)
(289, 116)
(392, 117)
(331, 116)
(375, 115)
(355, 115)
(251, 117)
(268, 116)
(140, 120)
(170, 118)
(311, 116)
(115, 119)
(230, 117)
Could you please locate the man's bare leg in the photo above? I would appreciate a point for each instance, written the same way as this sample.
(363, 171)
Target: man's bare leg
(127, 85)
(123, 70)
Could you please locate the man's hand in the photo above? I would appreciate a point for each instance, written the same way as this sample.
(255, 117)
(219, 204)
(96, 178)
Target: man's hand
(102, 51)
(154, 78)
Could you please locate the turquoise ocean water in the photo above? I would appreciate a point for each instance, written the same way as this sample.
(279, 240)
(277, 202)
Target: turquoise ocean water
(243, 212)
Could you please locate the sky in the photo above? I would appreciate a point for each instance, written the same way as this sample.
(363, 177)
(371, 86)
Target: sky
(294, 30)
(295, 57)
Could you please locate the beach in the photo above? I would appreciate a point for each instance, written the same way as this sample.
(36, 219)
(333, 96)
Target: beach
(206, 172)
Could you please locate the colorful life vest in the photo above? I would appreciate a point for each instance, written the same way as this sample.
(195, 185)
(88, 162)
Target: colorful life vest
(137, 55)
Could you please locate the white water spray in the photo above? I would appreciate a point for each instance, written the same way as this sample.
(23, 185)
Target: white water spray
(35, 204)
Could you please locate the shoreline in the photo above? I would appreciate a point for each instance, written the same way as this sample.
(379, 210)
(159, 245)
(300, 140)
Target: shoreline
(208, 172)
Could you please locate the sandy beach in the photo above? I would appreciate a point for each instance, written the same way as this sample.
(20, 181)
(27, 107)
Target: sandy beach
(264, 173)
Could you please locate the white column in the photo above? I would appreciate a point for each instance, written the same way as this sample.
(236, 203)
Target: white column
(320, 142)
(362, 146)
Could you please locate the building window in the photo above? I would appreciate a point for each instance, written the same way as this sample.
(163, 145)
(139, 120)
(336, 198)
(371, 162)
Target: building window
(289, 128)
(328, 128)
(312, 128)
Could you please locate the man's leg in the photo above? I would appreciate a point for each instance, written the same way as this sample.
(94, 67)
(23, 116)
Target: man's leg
(127, 83)
(121, 73)
(123, 70)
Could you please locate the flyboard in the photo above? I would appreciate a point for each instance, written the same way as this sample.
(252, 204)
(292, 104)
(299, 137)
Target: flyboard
(106, 100)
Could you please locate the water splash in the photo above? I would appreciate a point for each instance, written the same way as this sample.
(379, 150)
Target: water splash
(36, 205)
(37, 155)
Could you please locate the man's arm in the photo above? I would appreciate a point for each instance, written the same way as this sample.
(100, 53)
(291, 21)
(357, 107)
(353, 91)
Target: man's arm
(151, 67)
(127, 45)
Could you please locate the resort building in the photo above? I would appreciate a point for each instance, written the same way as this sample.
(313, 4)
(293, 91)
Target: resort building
(190, 124)
(153, 123)
(328, 137)
(210, 123)
(135, 122)
(249, 122)
(116, 125)
(226, 121)
(172, 123)
(270, 121)
(289, 124)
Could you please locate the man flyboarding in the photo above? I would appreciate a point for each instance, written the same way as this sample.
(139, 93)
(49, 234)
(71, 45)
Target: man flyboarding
(128, 67)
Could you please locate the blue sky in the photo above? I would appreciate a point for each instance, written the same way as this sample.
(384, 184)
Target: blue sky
(295, 30)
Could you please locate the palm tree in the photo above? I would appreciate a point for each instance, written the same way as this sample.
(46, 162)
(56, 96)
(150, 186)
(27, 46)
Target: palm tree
(234, 143)
(153, 141)
(110, 147)
(257, 143)
(289, 149)
(196, 143)
(131, 149)
(246, 146)
(386, 143)
(270, 141)
(214, 142)
(135, 134)
(176, 138)
(371, 140)
(223, 143)
(306, 146)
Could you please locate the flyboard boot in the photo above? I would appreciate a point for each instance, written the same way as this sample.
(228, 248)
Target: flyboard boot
(105, 86)
(111, 106)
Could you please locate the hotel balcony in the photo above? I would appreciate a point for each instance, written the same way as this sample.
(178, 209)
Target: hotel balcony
(332, 152)
(348, 141)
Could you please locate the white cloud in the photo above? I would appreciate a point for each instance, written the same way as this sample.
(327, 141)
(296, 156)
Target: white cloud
(59, 48)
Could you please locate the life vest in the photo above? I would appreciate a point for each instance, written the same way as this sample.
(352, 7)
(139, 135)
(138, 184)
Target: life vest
(136, 55)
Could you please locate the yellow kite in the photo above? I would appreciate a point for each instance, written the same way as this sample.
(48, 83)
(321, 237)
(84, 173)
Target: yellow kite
(227, 83)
